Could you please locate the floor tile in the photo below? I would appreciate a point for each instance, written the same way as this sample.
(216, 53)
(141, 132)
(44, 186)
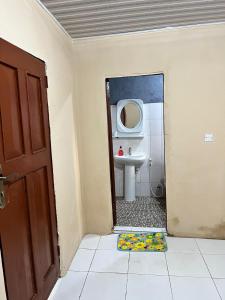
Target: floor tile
(182, 245)
(82, 260)
(90, 241)
(220, 283)
(186, 264)
(189, 288)
(104, 286)
(148, 263)
(216, 265)
(108, 242)
(70, 286)
(110, 261)
(148, 287)
(209, 246)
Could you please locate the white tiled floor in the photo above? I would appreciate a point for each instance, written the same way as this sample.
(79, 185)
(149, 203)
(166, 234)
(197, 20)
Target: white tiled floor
(143, 263)
(110, 261)
(186, 264)
(191, 269)
(82, 260)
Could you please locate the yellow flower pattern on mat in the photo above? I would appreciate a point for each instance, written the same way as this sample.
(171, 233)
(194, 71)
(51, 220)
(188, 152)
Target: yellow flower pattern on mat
(142, 242)
(134, 239)
(148, 241)
(140, 245)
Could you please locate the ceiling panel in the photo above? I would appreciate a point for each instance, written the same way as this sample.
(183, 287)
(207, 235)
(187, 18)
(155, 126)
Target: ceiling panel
(87, 18)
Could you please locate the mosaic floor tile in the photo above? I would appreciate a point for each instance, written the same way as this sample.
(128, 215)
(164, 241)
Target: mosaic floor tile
(143, 212)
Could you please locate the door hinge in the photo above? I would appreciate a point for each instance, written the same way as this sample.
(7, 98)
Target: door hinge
(46, 82)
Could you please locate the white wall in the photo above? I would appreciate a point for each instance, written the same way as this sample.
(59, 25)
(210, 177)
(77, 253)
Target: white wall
(156, 125)
(25, 24)
(152, 145)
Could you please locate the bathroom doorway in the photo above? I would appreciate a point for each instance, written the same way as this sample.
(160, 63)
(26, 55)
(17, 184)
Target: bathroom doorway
(135, 110)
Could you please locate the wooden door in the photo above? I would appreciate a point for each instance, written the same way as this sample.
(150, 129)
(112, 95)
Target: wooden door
(28, 233)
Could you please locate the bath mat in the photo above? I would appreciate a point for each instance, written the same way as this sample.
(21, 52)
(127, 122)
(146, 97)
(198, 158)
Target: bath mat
(142, 242)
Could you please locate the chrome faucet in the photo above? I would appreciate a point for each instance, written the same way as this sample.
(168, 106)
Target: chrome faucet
(130, 151)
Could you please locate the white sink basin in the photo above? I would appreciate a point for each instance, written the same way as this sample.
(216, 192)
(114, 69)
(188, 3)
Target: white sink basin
(131, 160)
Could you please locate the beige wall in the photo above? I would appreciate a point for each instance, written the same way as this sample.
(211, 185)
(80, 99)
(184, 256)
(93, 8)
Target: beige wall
(25, 24)
(193, 62)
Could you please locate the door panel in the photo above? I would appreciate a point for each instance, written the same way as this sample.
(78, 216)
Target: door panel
(35, 112)
(11, 113)
(15, 234)
(40, 218)
(28, 232)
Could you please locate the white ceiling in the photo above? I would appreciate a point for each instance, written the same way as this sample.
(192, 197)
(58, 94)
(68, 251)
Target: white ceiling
(87, 18)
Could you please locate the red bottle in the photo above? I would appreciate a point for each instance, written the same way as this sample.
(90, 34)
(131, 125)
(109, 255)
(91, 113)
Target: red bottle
(120, 152)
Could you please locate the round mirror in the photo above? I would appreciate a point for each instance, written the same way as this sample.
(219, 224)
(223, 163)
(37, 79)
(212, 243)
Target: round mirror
(130, 115)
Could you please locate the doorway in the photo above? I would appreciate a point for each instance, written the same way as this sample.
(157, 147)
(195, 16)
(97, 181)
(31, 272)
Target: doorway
(135, 106)
(28, 233)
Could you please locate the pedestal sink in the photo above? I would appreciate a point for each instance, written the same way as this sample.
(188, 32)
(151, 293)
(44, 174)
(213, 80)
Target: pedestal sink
(130, 162)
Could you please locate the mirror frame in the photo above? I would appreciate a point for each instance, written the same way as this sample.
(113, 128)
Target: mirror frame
(120, 105)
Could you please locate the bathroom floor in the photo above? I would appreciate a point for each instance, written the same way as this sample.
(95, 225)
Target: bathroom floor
(143, 212)
(191, 269)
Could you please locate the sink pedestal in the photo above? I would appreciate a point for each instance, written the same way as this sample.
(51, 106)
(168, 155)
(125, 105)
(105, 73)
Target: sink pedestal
(130, 162)
(129, 183)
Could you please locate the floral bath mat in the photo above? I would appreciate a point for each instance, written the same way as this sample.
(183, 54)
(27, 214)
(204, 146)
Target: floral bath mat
(143, 242)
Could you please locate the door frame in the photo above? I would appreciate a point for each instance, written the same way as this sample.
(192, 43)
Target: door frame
(110, 145)
(110, 141)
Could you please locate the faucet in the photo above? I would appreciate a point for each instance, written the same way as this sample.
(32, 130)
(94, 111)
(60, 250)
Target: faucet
(130, 151)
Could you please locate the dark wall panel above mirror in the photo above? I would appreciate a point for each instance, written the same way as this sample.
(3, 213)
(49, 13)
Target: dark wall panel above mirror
(148, 88)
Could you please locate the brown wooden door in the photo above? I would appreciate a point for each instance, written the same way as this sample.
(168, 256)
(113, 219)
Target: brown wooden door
(28, 232)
